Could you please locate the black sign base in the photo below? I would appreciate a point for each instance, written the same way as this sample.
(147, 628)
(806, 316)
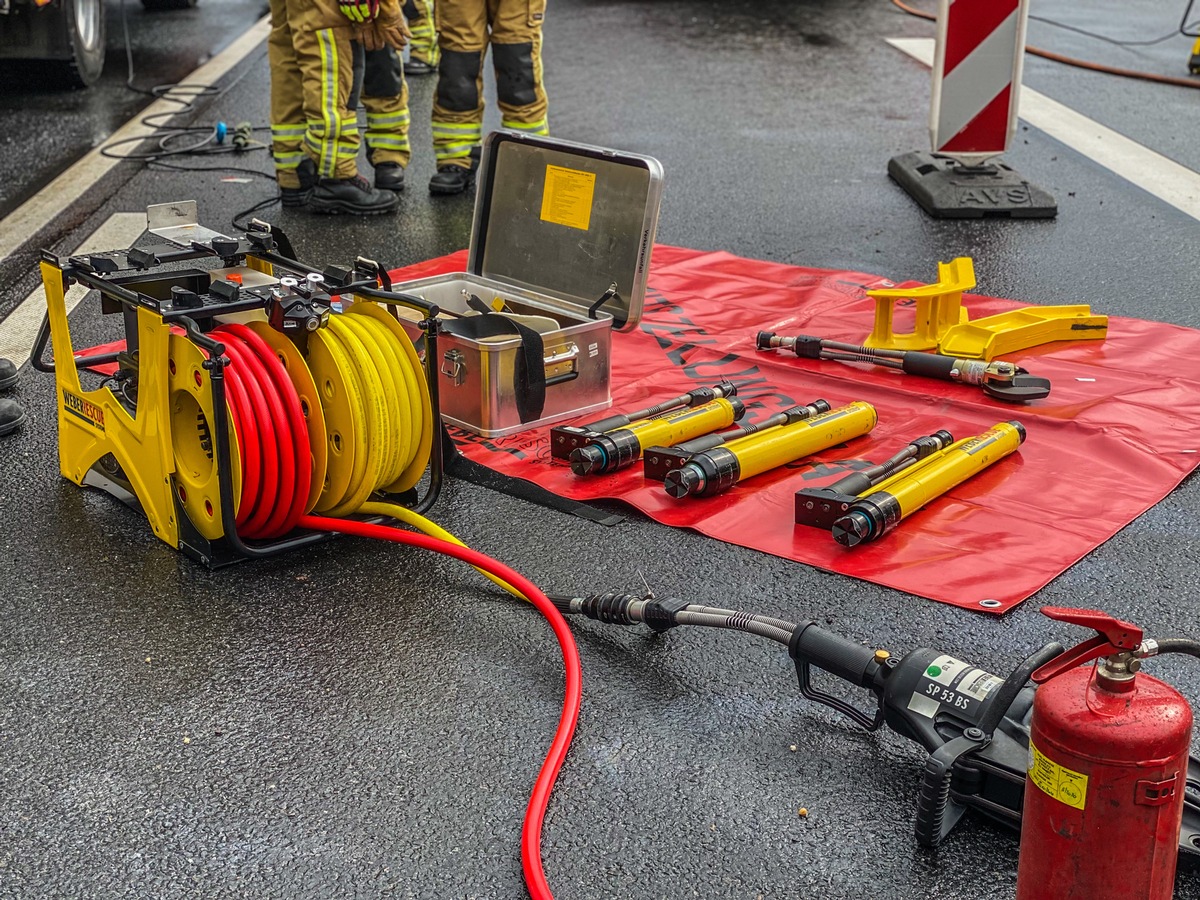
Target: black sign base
(947, 189)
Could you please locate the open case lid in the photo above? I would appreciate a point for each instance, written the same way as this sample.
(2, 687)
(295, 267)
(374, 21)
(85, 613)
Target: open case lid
(567, 220)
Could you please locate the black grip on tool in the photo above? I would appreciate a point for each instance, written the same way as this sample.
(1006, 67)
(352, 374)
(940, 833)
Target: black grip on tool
(929, 364)
(833, 653)
(704, 442)
(602, 425)
(854, 484)
(806, 346)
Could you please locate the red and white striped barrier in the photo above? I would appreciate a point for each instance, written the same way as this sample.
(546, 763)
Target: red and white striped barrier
(977, 77)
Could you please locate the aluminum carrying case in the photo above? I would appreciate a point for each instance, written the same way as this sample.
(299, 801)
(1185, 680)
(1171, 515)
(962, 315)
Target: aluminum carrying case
(560, 248)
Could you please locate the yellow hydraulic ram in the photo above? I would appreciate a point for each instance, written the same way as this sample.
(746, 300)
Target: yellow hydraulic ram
(658, 461)
(719, 469)
(622, 447)
(567, 438)
(906, 492)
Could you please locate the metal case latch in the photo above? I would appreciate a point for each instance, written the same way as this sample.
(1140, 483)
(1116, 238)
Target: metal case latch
(454, 367)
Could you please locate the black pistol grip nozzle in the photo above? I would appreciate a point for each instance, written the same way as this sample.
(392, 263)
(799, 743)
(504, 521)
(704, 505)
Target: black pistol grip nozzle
(763, 341)
(682, 481)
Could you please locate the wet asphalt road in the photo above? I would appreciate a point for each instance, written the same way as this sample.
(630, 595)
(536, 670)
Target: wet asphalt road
(366, 722)
(46, 129)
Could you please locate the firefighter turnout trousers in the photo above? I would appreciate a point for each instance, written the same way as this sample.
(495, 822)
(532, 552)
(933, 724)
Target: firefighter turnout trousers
(423, 47)
(385, 98)
(513, 29)
(313, 89)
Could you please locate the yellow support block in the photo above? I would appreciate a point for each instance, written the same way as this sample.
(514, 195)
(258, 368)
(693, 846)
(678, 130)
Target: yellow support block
(938, 308)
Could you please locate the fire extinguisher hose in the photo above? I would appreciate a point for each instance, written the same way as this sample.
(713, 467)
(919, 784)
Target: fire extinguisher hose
(1179, 645)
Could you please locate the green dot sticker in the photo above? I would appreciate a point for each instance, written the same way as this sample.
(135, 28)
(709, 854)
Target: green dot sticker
(933, 671)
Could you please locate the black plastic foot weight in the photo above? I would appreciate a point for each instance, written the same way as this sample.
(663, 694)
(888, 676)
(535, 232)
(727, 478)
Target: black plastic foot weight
(947, 189)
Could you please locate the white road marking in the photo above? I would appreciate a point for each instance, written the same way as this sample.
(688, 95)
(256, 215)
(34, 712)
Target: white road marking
(1154, 173)
(54, 198)
(19, 330)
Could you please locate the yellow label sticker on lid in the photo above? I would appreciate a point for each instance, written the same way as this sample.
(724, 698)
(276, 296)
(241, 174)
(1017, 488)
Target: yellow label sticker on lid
(1057, 781)
(567, 198)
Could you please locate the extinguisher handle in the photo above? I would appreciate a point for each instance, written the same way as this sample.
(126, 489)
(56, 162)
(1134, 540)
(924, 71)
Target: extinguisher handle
(1114, 636)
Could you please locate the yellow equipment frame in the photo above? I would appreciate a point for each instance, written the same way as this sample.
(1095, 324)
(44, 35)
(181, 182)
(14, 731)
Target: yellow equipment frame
(131, 455)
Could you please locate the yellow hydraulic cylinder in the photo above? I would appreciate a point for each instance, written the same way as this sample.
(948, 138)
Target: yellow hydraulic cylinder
(617, 449)
(720, 468)
(907, 491)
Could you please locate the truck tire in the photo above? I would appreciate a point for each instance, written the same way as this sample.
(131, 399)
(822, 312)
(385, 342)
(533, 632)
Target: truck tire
(84, 23)
(157, 5)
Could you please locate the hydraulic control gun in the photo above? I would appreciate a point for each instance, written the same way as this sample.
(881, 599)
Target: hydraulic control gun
(974, 724)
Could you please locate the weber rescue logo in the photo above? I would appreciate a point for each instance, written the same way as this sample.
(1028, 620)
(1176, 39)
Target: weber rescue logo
(83, 409)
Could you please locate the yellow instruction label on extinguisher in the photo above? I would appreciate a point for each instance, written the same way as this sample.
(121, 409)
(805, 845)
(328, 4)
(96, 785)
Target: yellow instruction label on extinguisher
(1059, 782)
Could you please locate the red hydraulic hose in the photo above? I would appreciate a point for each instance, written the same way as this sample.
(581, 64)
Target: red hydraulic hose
(275, 458)
(267, 416)
(535, 812)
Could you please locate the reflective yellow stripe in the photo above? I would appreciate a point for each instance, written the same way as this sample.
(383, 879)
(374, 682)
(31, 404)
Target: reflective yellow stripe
(380, 120)
(455, 145)
(326, 150)
(456, 129)
(386, 142)
(541, 127)
(294, 131)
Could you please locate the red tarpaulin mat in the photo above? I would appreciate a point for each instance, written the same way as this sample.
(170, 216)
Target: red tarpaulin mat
(1118, 432)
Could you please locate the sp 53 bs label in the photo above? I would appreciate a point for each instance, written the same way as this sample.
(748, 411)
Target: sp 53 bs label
(954, 686)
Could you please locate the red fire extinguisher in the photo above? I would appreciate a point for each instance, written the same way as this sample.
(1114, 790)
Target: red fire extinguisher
(1108, 755)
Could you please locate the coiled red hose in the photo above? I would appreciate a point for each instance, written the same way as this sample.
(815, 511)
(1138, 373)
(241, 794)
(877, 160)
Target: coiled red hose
(272, 435)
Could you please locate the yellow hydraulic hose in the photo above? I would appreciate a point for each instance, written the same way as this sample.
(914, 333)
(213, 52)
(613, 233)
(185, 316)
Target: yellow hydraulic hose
(378, 416)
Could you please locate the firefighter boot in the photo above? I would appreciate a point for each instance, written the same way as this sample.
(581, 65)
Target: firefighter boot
(454, 179)
(12, 416)
(8, 374)
(451, 179)
(389, 176)
(293, 197)
(353, 196)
